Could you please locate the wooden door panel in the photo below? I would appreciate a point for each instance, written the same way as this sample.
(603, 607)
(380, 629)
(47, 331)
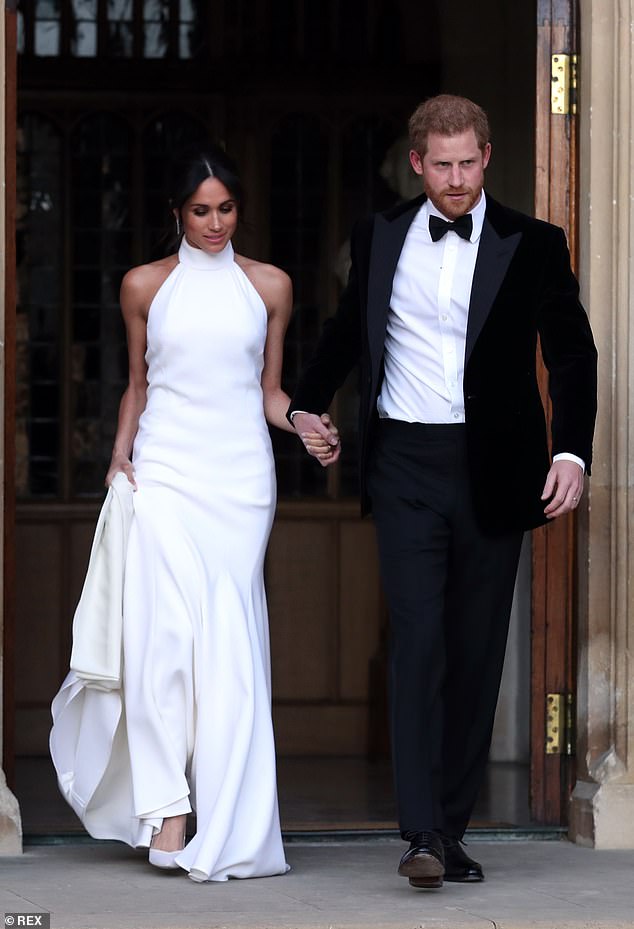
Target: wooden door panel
(360, 601)
(39, 553)
(552, 656)
(301, 577)
(40, 632)
(325, 614)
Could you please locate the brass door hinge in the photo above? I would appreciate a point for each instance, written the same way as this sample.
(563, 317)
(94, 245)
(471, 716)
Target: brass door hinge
(563, 84)
(559, 724)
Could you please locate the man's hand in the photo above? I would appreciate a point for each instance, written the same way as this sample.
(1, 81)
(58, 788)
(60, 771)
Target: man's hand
(319, 435)
(563, 488)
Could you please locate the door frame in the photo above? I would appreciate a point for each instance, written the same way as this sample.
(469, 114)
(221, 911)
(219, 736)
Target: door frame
(553, 665)
(553, 608)
(8, 493)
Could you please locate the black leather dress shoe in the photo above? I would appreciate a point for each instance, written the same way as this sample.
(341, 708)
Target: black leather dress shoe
(458, 866)
(424, 862)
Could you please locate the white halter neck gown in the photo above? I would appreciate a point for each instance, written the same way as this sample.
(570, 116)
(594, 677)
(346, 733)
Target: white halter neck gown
(196, 689)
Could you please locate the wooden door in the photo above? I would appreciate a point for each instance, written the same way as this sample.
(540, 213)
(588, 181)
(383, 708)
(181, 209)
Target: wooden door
(553, 634)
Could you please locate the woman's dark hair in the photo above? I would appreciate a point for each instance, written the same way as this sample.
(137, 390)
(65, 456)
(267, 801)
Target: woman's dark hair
(187, 170)
(194, 165)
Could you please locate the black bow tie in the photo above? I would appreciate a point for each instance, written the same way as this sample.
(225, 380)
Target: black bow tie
(463, 225)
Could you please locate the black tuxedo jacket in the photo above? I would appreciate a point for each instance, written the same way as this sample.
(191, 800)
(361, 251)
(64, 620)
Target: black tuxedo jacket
(522, 287)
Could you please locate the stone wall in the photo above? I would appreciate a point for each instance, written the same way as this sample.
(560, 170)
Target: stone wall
(602, 811)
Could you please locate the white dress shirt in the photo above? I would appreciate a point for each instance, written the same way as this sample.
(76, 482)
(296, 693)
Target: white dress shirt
(427, 325)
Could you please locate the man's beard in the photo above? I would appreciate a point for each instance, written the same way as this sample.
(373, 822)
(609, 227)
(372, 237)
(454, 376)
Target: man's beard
(451, 208)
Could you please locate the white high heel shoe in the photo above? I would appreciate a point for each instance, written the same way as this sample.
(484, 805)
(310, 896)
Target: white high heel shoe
(164, 860)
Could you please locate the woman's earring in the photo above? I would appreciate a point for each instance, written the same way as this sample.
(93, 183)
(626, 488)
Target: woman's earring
(178, 226)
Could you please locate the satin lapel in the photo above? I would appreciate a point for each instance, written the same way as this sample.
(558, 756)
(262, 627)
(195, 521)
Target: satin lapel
(494, 257)
(387, 243)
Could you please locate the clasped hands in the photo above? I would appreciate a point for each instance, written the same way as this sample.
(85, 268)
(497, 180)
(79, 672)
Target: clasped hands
(562, 491)
(319, 435)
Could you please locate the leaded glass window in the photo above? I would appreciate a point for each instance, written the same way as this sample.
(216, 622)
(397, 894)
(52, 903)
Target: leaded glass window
(169, 132)
(102, 246)
(78, 233)
(48, 28)
(134, 29)
(84, 24)
(39, 313)
(299, 175)
(155, 32)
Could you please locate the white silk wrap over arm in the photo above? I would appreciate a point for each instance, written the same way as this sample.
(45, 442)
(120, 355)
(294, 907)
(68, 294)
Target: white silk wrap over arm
(88, 741)
(98, 620)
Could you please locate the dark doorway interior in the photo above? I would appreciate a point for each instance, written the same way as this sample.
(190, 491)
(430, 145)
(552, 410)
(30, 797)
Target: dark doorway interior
(324, 795)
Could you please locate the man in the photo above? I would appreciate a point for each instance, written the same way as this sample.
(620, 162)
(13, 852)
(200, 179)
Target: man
(446, 297)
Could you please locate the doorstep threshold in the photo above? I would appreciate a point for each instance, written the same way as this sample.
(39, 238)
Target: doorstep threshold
(534, 833)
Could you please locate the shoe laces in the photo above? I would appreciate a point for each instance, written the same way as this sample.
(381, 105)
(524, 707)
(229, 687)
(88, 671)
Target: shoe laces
(421, 838)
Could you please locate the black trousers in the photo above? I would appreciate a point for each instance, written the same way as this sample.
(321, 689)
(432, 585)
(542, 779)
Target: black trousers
(449, 589)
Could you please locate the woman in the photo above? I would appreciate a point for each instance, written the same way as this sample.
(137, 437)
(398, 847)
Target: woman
(205, 331)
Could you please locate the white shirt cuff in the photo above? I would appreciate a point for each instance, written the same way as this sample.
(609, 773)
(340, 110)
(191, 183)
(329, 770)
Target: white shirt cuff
(567, 456)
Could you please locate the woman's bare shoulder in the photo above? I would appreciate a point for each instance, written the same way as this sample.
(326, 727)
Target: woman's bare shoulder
(270, 281)
(141, 283)
(147, 276)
